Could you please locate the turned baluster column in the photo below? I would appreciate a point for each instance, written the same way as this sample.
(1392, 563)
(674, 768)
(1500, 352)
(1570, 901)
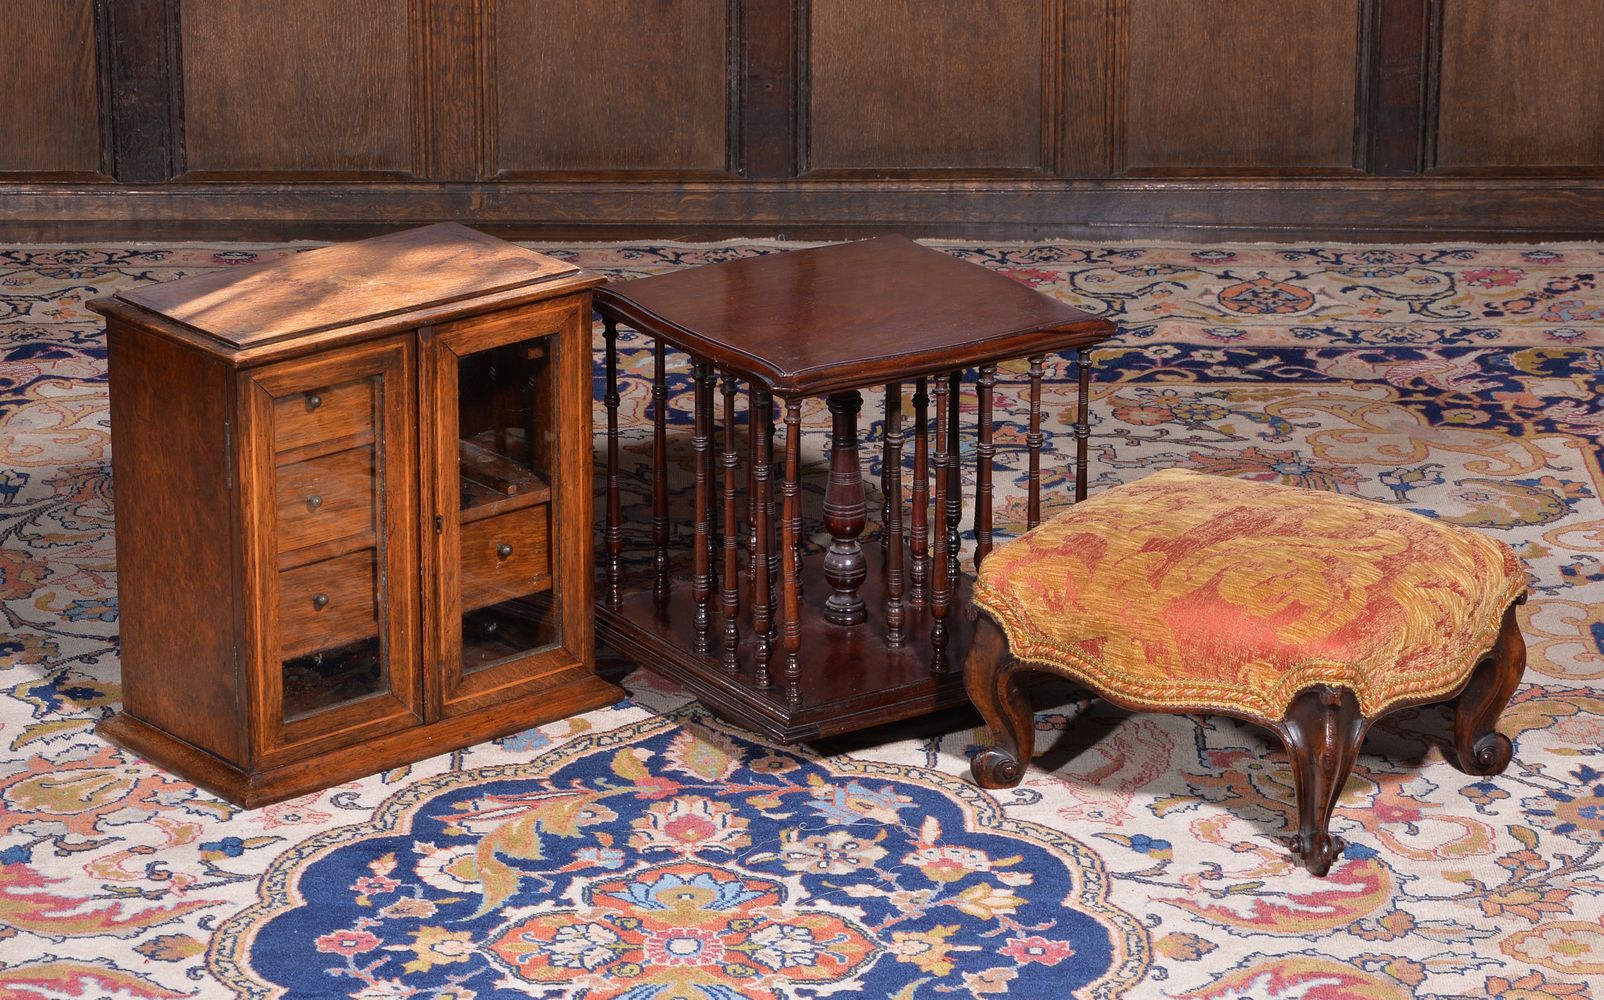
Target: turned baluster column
(794, 521)
(1083, 421)
(710, 461)
(659, 474)
(701, 447)
(919, 545)
(730, 580)
(615, 518)
(752, 423)
(983, 453)
(762, 600)
(939, 596)
(790, 574)
(776, 467)
(896, 633)
(1033, 441)
(955, 476)
(845, 513)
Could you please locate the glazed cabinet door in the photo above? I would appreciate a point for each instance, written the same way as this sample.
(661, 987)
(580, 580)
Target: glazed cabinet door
(505, 417)
(327, 476)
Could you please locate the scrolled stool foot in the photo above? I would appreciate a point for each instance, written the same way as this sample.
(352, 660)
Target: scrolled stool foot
(1489, 755)
(996, 768)
(1480, 748)
(1318, 851)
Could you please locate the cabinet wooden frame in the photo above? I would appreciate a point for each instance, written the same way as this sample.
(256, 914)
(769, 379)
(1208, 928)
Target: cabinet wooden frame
(286, 603)
(391, 363)
(449, 690)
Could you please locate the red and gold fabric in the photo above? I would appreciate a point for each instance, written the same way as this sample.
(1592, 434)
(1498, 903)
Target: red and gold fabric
(1189, 592)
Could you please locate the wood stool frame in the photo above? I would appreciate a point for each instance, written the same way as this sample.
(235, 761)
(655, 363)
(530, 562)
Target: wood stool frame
(1322, 730)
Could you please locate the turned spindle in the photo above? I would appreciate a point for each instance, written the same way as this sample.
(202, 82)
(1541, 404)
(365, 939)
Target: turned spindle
(939, 596)
(730, 579)
(752, 423)
(710, 461)
(795, 519)
(983, 454)
(791, 602)
(771, 421)
(896, 631)
(762, 600)
(845, 513)
(1083, 420)
(659, 473)
(701, 447)
(919, 543)
(615, 517)
(1033, 442)
(955, 476)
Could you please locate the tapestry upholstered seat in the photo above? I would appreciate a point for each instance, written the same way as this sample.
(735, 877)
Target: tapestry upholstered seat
(1311, 613)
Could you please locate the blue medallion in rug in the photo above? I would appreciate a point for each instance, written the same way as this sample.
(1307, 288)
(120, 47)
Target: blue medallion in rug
(678, 860)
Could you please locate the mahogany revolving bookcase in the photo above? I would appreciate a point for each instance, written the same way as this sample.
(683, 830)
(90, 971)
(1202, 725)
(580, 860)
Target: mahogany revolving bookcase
(803, 646)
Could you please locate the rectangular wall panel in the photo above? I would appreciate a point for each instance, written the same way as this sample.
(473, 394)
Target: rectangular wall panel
(626, 85)
(925, 84)
(49, 97)
(1521, 85)
(1243, 85)
(303, 88)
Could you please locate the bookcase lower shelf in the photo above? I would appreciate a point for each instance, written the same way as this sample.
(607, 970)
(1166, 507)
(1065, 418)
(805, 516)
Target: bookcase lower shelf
(849, 678)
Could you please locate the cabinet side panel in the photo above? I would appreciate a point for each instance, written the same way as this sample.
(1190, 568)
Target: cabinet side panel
(169, 408)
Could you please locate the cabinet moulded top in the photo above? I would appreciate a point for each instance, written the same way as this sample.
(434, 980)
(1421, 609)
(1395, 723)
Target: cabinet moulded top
(366, 287)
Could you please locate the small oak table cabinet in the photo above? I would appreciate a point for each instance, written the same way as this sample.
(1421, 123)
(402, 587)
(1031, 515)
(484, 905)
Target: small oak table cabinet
(353, 509)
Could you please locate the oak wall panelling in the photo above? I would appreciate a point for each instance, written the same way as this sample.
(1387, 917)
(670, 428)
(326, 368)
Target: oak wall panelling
(1104, 119)
(1228, 86)
(50, 91)
(624, 86)
(1524, 87)
(919, 85)
(300, 88)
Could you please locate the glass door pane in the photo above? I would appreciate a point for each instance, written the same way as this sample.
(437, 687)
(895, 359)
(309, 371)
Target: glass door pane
(506, 431)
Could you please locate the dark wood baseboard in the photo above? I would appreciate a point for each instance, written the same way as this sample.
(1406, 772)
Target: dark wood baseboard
(1367, 209)
(405, 747)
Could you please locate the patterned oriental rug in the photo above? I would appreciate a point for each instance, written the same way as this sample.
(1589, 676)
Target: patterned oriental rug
(648, 852)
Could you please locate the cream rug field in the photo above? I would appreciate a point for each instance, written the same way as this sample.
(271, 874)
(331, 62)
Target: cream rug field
(648, 851)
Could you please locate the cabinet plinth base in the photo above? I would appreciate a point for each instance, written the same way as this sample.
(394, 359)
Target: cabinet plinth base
(250, 790)
(848, 678)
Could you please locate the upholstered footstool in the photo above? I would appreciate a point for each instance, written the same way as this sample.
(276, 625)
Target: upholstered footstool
(1310, 613)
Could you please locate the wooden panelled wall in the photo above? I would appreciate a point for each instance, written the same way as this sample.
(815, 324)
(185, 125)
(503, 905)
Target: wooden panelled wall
(1102, 118)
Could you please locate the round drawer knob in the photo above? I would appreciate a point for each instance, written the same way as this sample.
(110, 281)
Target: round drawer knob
(313, 502)
(313, 401)
(503, 550)
(320, 601)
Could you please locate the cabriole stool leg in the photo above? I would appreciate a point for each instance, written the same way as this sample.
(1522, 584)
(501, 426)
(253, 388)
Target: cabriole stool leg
(1481, 748)
(995, 683)
(1322, 732)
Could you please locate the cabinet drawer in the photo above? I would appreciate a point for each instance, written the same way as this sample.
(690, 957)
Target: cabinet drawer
(322, 420)
(327, 604)
(506, 556)
(325, 501)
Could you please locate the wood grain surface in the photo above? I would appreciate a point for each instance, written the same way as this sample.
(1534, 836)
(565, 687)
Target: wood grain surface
(48, 88)
(839, 317)
(318, 87)
(346, 284)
